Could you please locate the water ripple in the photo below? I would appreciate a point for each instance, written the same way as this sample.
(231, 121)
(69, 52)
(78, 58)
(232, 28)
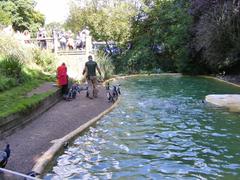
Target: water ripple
(161, 130)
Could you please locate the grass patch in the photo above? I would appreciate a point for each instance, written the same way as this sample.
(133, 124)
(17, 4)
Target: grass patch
(15, 99)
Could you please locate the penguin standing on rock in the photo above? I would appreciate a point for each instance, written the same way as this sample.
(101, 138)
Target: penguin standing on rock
(4, 156)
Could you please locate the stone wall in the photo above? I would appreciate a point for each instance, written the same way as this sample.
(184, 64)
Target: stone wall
(74, 63)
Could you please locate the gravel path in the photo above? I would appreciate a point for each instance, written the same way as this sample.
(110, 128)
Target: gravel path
(30, 142)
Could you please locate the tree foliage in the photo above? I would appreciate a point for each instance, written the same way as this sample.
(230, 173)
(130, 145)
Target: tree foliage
(215, 42)
(197, 36)
(159, 37)
(5, 17)
(21, 14)
(106, 22)
(53, 26)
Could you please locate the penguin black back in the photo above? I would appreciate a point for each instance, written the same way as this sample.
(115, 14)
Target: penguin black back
(4, 155)
(7, 150)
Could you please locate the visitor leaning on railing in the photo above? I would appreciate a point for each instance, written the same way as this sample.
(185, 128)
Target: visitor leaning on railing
(41, 37)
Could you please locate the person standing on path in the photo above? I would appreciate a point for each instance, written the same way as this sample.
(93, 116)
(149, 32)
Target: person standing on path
(62, 78)
(90, 70)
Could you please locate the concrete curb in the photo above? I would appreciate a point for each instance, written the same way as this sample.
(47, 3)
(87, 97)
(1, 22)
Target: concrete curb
(138, 75)
(152, 74)
(221, 80)
(58, 144)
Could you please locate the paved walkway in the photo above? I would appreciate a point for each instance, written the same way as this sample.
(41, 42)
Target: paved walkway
(35, 138)
(47, 86)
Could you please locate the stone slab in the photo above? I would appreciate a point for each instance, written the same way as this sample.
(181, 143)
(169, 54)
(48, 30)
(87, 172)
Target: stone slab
(231, 101)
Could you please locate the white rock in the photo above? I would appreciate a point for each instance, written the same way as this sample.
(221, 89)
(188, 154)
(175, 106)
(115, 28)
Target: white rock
(231, 101)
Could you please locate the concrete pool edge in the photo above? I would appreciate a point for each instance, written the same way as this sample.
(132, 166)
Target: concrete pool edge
(143, 75)
(58, 144)
(221, 80)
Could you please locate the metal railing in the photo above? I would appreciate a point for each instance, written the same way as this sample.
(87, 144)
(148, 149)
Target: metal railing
(51, 45)
(6, 174)
(38, 42)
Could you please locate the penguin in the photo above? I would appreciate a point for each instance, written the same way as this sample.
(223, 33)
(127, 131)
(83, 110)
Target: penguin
(66, 144)
(4, 156)
(32, 174)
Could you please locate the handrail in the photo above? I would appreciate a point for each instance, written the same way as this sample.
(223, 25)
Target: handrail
(19, 174)
(38, 39)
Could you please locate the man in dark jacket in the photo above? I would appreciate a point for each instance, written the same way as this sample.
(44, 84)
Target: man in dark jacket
(90, 69)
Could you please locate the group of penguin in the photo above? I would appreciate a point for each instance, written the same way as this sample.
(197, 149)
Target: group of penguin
(113, 92)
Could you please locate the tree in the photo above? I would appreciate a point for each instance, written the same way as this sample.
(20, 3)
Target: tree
(53, 26)
(5, 18)
(216, 35)
(22, 13)
(6, 9)
(159, 36)
(107, 21)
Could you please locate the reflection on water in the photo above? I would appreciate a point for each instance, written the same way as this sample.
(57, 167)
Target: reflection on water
(161, 130)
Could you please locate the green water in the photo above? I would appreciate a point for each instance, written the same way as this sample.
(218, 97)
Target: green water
(161, 130)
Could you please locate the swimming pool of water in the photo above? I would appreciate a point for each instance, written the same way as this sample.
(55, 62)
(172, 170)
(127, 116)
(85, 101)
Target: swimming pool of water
(160, 130)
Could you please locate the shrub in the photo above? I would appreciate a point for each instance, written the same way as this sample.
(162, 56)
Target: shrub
(105, 64)
(20, 63)
(7, 83)
(11, 66)
(30, 55)
(10, 46)
(44, 59)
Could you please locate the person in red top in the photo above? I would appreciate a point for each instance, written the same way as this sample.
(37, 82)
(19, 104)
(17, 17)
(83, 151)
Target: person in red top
(62, 78)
